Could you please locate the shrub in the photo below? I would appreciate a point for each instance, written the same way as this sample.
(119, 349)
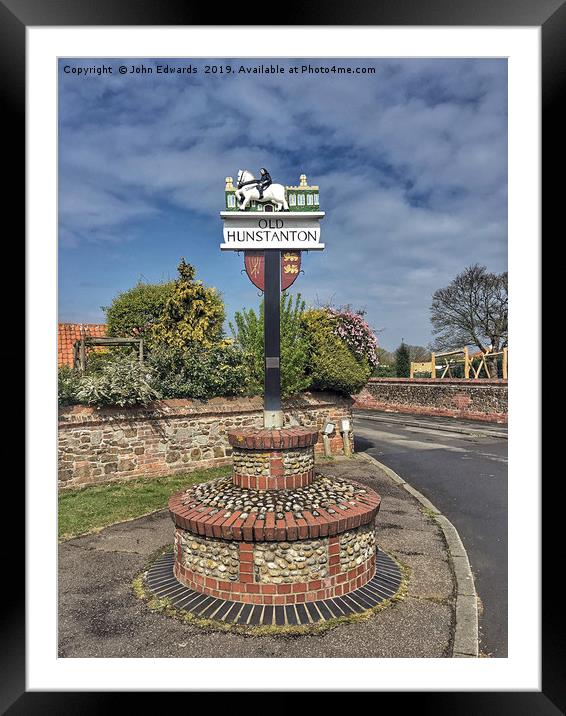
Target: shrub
(248, 331)
(123, 381)
(351, 327)
(386, 365)
(195, 372)
(67, 385)
(134, 312)
(97, 359)
(384, 371)
(332, 365)
(192, 313)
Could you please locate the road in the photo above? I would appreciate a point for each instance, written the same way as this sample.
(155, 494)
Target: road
(464, 474)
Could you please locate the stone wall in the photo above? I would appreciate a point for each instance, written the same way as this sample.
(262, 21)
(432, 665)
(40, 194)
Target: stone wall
(99, 445)
(455, 397)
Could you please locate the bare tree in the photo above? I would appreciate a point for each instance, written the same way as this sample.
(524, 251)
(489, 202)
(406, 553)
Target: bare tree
(471, 310)
(418, 354)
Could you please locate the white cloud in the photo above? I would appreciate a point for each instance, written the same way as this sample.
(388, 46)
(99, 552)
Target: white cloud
(411, 164)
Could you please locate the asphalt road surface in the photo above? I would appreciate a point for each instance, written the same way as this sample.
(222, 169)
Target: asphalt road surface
(464, 474)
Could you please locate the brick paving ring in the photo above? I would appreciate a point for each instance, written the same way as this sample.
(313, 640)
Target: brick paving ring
(162, 582)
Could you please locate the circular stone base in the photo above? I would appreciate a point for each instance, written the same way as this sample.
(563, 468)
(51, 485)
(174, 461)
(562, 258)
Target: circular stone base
(384, 585)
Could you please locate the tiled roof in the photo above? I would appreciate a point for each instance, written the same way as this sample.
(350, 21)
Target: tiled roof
(71, 332)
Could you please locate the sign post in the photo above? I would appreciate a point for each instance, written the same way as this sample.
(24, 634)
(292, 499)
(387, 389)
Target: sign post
(272, 412)
(272, 238)
(266, 505)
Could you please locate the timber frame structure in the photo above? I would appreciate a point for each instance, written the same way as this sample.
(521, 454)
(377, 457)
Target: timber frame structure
(80, 346)
(474, 364)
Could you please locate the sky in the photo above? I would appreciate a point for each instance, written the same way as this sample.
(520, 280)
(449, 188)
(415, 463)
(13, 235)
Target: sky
(411, 161)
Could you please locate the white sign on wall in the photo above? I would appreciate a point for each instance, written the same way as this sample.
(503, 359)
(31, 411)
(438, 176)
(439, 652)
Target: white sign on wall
(245, 231)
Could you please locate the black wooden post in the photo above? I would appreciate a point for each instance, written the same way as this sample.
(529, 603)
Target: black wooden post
(272, 414)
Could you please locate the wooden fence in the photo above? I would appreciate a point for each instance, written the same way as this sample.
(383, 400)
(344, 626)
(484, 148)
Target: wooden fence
(475, 365)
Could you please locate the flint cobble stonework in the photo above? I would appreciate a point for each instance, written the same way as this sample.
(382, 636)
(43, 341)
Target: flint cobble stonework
(297, 461)
(356, 547)
(295, 544)
(273, 470)
(207, 557)
(290, 562)
(290, 572)
(98, 445)
(247, 463)
(460, 398)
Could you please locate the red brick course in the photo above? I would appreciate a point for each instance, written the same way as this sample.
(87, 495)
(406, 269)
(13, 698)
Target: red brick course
(199, 520)
(283, 439)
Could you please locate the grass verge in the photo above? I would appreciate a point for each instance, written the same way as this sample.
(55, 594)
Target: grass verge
(88, 509)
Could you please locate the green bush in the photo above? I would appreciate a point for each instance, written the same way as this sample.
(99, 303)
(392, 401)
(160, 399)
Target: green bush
(174, 313)
(97, 359)
(192, 314)
(71, 380)
(123, 381)
(67, 385)
(134, 312)
(332, 365)
(194, 372)
(169, 372)
(248, 332)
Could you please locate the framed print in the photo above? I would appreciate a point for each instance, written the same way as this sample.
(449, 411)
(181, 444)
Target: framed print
(425, 118)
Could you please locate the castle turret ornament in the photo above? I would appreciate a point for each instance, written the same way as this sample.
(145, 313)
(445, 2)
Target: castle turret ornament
(294, 214)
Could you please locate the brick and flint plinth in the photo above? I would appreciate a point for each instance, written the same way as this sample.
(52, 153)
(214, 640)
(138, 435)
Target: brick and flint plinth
(276, 531)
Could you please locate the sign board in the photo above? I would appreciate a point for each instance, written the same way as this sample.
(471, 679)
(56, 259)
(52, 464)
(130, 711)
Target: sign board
(281, 230)
(254, 262)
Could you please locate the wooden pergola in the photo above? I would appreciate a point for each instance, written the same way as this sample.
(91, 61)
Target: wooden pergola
(80, 346)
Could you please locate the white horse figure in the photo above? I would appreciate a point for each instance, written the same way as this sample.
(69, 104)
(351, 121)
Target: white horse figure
(249, 192)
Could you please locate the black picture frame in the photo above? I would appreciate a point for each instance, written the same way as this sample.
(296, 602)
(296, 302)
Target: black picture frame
(15, 16)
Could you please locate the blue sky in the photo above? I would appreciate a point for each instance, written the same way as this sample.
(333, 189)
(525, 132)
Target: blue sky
(411, 163)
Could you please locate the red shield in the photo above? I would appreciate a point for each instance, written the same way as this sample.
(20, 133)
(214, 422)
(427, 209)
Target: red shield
(290, 268)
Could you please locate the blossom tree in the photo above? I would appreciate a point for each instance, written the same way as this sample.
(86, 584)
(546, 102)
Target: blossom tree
(354, 330)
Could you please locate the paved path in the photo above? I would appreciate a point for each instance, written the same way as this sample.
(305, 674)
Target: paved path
(465, 476)
(99, 616)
